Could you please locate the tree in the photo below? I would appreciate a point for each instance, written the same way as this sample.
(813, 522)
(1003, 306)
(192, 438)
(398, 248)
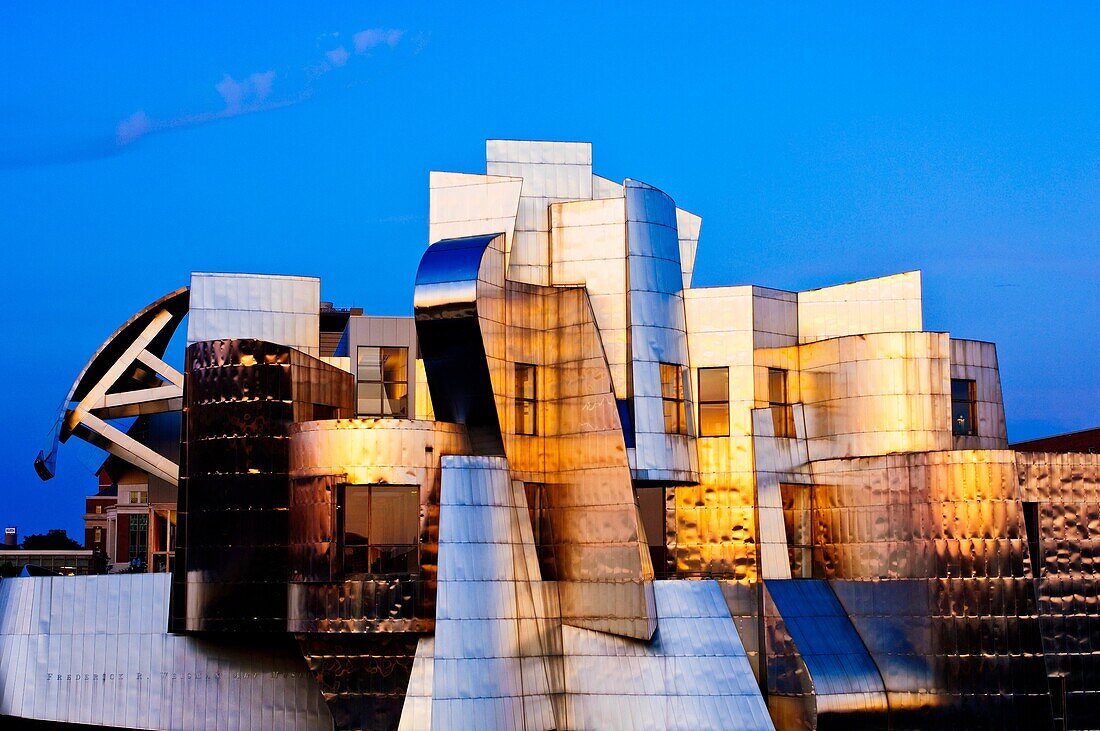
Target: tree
(54, 539)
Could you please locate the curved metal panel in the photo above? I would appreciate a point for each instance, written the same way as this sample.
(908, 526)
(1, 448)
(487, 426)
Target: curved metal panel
(231, 559)
(847, 689)
(658, 334)
(452, 344)
(326, 454)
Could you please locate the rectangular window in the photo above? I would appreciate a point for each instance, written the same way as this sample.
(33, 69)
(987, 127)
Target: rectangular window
(672, 395)
(714, 402)
(98, 537)
(779, 401)
(139, 497)
(382, 381)
(139, 538)
(526, 399)
(964, 407)
(797, 517)
(381, 529)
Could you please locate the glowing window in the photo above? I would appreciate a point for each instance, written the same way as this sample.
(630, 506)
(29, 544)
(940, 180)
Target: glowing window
(964, 407)
(714, 402)
(672, 396)
(779, 401)
(382, 381)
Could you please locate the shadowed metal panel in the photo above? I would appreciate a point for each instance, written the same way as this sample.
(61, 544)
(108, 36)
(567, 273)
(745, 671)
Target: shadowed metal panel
(94, 650)
(847, 690)
(1063, 491)
(241, 396)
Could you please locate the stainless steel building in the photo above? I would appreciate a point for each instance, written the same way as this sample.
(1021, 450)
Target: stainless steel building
(571, 491)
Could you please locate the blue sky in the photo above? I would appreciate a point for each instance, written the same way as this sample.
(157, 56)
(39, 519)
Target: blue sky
(820, 143)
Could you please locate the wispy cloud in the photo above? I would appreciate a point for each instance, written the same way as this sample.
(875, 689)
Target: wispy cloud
(338, 56)
(245, 96)
(259, 91)
(370, 38)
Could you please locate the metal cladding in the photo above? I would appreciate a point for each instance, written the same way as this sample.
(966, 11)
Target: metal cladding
(1061, 500)
(92, 650)
(241, 396)
(359, 630)
(573, 458)
(842, 537)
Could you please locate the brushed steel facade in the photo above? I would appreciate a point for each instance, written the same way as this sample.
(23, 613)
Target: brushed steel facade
(574, 491)
(93, 650)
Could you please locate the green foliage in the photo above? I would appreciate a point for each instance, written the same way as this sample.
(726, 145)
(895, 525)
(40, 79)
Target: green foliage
(55, 539)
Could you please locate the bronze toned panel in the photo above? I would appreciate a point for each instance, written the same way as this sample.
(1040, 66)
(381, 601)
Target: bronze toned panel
(241, 396)
(1061, 494)
(474, 323)
(324, 457)
(929, 559)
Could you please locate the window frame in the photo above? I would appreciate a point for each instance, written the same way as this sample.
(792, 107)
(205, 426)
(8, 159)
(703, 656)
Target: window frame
(802, 517)
(711, 402)
(782, 411)
(971, 404)
(677, 399)
(526, 404)
(368, 546)
(383, 382)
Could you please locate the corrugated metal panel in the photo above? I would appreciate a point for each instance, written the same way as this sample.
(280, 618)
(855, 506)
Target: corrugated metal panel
(94, 650)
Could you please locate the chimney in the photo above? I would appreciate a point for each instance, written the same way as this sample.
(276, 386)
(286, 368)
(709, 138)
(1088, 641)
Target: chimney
(11, 537)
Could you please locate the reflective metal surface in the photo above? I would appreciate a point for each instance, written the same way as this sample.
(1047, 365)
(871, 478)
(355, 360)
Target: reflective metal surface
(240, 398)
(590, 538)
(94, 650)
(820, 674)
(327, 454)
(567, 418)
(1061, 494)
(278, 309)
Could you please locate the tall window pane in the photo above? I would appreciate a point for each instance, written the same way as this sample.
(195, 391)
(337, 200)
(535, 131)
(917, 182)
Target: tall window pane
(672, 394)
(964, 407)
(526, 399)
(139, 537)
(382, 381)
(779, 400)
(714, 402)
(381, 529)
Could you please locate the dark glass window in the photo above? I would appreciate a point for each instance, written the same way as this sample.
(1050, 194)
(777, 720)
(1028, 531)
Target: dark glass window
(139, 537)
(779, 400)
(1034, 546)
(526, 399)
(672, 394)
(964, 407)
(797, 516)
(714, 402)
(381, 529)
(382, 381)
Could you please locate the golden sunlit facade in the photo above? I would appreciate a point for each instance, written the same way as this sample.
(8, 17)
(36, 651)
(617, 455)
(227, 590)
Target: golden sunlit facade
(574, 491)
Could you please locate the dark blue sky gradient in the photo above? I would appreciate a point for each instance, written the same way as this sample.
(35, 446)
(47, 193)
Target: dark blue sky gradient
(139, 142)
